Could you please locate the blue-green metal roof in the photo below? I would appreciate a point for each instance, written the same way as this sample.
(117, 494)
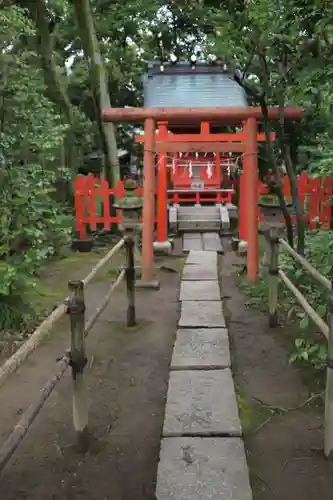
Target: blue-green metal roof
(185, 86)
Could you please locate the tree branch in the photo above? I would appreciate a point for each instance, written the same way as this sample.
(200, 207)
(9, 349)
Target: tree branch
(282, 66)
(270, 152)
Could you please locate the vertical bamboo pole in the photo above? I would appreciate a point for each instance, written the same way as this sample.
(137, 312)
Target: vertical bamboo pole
(148, 200)
(76, 310)
(273, 283)
(328, 426)
(130, 280)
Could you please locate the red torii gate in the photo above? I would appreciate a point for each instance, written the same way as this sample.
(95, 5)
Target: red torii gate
(248, 146)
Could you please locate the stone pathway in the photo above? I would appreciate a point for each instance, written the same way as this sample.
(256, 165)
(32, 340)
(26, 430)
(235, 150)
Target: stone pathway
(202, 241)
(202, 454)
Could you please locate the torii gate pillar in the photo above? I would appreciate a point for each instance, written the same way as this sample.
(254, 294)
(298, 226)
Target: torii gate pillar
(163, 244)
(250, 184)
(147, 280)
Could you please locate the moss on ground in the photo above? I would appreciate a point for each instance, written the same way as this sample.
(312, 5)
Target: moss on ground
(52, 284)
(251, 414)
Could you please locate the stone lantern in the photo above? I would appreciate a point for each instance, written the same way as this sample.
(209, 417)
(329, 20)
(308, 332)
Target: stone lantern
(131, 206)
(271, 212)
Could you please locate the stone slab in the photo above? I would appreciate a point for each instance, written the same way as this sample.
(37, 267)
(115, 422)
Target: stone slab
(199, 314)
(201, 349)
(212, 242)
(201, 403)
(191, 236)
(201, 257)
(206, 263)
(147, 285)
(199, 290)
(225, 220)
(202, 469)
(173, 216)
(192, 244)
(203, 272)
(232, 210)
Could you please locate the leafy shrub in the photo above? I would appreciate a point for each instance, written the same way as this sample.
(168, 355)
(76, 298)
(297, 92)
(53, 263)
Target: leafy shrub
(319, 252)
(33, 226)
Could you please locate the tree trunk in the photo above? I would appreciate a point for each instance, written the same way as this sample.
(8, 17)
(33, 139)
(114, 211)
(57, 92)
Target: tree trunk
(295, 198)
(100, 85)
(272, 162)
(290, 169)
(56, 86)
(267, 129)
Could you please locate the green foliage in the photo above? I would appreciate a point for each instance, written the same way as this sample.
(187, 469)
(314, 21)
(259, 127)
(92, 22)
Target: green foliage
(33, 227)
(319, 253)
(310, 353)
(283, 51)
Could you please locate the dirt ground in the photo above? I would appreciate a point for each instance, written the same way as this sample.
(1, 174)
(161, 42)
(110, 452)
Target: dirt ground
(127, 377)
(284, 454)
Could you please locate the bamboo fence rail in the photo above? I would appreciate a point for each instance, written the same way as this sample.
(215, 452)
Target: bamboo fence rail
(12, 364)
(75, 356)
(326, 329)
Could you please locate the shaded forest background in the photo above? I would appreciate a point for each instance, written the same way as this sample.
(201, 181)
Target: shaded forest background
(62, 61)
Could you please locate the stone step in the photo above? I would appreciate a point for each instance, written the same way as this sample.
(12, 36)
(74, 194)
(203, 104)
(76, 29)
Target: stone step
(201, 349)
(224, 217)
(198, 209)
(198, 241)
(200, 257)
(201, 314)
(201, 403)
(206, 263)
(192, 244)
(199, 225)
(203, 272)
(202, 469)
(232, 210)
(212, 242)
(199, 290)
(189, 236)
(199, 212)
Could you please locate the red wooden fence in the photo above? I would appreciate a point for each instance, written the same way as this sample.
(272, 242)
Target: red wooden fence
(315, 196)
(92, 201)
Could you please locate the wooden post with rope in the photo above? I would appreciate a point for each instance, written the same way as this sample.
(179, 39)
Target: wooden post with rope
(76, 310)
(130, 279)
(273, 278)
(328, 427)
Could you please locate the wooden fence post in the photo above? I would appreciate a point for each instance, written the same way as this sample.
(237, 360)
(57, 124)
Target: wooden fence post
(130, 280)
(328, 426)
(76, 310)
(273, 278)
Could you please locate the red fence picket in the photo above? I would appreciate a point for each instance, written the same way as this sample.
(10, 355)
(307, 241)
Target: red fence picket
(92, 194)
(315, 196)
